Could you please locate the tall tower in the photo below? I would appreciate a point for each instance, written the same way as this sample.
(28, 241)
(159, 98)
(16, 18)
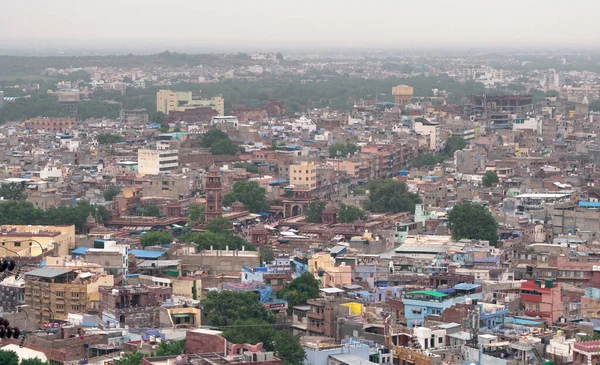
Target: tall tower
(214, 197)
(402, 95)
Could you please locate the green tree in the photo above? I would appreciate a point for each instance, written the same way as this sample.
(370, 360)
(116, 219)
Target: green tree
(428, 160)
(250, 167)
(595, 105)
(224, 147)
(111, 192)
(453, 144)
(9, 358)
(164, 128)
(177, 128)
(219, 225)
(359, 190)
(12, 191)
(313, 212)
(251, 331)
(157, 117)
(170, 348)
(109, 138)
(151, 211)
(289, 349)
(472, 221)
(227, 307)
(34, 361)
(389, 195)
(552, 94)
(156, 238)
(196, 214)
(217, 241)
(490, 178)
(212, 136)
(132, 358)
(350, 214)
(299, 290)
(266, 255)
(250, 194)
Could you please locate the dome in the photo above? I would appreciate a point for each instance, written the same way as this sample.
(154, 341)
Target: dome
(90, 220)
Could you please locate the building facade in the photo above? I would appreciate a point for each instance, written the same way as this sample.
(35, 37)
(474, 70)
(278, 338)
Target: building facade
(154, 162)
(169, 100)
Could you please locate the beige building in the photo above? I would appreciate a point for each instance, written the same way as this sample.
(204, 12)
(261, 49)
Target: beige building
(22, 239)
(304, 174)
(166, 186)
(180, 101)
(402, 95)
(155, 162)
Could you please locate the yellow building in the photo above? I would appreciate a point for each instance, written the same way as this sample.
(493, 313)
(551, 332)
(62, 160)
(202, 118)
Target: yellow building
(22, 239)
(169, 100)
(304, 175)
(402, 95)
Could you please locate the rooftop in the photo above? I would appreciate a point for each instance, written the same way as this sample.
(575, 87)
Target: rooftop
(47, 272)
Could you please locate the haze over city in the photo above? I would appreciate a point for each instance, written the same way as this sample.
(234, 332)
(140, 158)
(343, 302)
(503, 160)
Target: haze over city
(194, 26)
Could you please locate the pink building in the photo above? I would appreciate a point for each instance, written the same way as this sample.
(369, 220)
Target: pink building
(542, 298)
(337, 276)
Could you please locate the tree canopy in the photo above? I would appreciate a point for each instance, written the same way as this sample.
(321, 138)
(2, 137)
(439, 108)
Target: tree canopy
(342, 150)
(34, 361)
(111, 192)
(250, 194)
(164, 128)
(250, 167)
(490, 178)
(212, 136)
(218, 241)
(350, 214)
(453, 144)
(132, 358)
(170, 348)
(12, 191)
(156, 238)
(151, 211)
(313, 211)
(390, 196)
(8, 358)
(226, 307)
(224, 147)
(299, 290)
(196, 214)
(472, 221)
(219, 225)
(109, 138)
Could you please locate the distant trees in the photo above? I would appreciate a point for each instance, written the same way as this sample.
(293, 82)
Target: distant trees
(299, 290)
(109, 138)
(13, 191)
(390, 196)
(595, 105)
(342, 150)
(9, 358)
(313, 211)
(350, 214)
(156, 238)
(132, 358)
(250, 194)
(111, 192)
(217, 241)
(250, 167)
(97, 109)
(196, 214)
(151, 211)
(490, 178)
(164, 128)
(453, 144)
(219, 225)
(218, 142)
(170, 348)
(473, 221)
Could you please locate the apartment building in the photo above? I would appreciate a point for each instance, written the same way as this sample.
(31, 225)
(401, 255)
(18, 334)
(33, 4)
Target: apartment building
(169, 100)
(50, 125)
(34, 240)
(304, 175)
(154, 162)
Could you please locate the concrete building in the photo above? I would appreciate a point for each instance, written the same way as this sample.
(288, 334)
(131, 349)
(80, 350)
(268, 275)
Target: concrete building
(22, 239)
(542, 298)
(166, 186)
(70, 102)
(304, 175)
(169, 100)
(402, 95)
(224, 123)
(12, 294)
(50, 125)
(44, 198)
(419, 303)
(135, 306)
(426, 128)
(154, 162)
(550, 80)
(134, 116)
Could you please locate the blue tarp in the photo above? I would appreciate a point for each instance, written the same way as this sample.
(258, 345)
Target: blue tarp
(147, 254)
(466, 286)
(79, 251)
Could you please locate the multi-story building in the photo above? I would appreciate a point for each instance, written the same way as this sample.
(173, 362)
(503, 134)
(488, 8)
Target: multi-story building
(166, 186)
(154, 162)
(134, 305)
(54, 293)
(432, 130)
(34, 240)
(134, 116)
(50, 125)
(419, 303)
(550, 80)
(12, 294)
(402, 95)
(169, 100)
(322, 317)
(304, 175)
(542, 298)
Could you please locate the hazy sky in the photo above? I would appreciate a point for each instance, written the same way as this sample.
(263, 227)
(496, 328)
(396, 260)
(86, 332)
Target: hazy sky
(269, 24)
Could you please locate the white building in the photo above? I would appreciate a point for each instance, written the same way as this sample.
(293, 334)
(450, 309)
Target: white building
(303, 124)
(225, 122)
(551, 80)
(154, 162)
(433, 131)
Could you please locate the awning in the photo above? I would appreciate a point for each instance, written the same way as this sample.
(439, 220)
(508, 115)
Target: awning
(181, 315)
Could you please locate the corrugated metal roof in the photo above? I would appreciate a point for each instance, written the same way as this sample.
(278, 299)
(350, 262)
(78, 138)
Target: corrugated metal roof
(47, 272)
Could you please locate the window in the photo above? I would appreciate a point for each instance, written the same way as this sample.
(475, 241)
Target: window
(17, 244)
(60, 306)
(440, 339)
(74, 307)
(74, 295)
(60, 294)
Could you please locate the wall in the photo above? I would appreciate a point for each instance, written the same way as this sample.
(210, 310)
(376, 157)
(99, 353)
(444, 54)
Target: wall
(204, 341)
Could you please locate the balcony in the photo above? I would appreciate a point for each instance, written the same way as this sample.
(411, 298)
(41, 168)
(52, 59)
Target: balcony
(531, 298)
(315, 329)
(315, 315)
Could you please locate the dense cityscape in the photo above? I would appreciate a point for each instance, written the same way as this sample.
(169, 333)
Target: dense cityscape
(340, 207)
